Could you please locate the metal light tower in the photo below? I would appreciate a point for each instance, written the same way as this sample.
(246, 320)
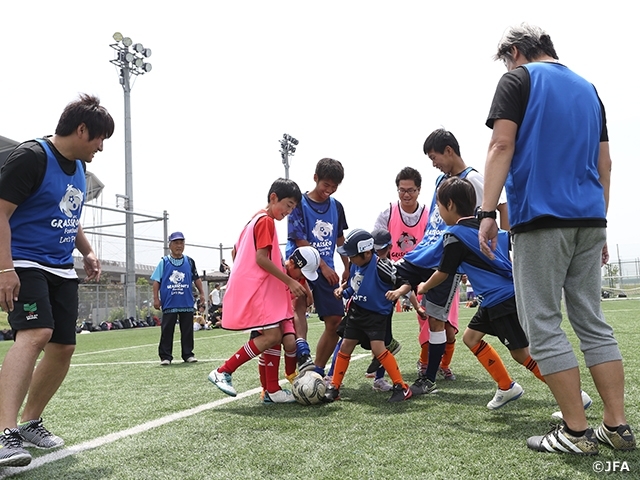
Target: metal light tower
(130, 60)
(287, 148)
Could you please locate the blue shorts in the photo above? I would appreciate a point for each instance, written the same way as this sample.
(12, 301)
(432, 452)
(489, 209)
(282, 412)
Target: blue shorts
(46, 301)
(325, 303)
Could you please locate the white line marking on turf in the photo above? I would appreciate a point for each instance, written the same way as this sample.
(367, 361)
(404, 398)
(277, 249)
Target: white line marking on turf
(147, 345)
(114, 437)
(143, 362)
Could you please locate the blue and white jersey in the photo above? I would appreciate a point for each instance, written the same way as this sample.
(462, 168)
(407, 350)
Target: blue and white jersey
(45, 225)
(367, 285)
(176, 279)
(436, 226)
(492, 280)
(427, 253)
(320, 228)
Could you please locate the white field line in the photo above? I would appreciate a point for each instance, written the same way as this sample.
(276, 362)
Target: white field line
(147, 345)
(114, 437)
(143, 362)
(175, 342)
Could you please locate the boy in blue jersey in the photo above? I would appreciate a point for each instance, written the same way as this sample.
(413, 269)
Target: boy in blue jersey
(493, 283)
(370, 277)
(319, 221)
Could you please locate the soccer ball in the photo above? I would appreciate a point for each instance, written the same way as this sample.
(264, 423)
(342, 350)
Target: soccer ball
(308, 388)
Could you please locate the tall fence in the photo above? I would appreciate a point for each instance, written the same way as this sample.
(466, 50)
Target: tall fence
(621, 278)
(101, 303)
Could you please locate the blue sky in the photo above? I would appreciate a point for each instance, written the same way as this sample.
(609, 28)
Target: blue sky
(362, 82)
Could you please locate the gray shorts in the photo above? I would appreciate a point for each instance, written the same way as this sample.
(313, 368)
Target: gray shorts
(546, 263)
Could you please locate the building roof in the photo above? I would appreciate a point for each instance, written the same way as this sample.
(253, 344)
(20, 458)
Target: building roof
(6, 146)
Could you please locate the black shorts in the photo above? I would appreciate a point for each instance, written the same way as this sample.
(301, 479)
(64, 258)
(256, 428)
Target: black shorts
(501, 321)
(46, 301)
(364, 325)
(437, 301)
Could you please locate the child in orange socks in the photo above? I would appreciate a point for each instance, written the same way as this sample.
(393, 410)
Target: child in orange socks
(370, 278)
(493, 284)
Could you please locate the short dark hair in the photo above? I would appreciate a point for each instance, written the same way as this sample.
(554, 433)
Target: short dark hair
(408, 173)
(531, 41)
(440, 139)
(285, 188)
(461, 192)
(87, 110)
(330, 169)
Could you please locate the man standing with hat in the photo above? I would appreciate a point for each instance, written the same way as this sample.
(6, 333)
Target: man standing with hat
(172, 290)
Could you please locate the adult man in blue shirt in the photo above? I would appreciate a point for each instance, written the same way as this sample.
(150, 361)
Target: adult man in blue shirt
(550, 148)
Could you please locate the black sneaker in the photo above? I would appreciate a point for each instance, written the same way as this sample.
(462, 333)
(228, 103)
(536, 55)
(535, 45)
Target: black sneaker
(305, 363)
(558, 440)
(373, 366)
(400, 393)
(621, 439)
(423, 386)
(331, 394)
(394, 347)
(12, 452)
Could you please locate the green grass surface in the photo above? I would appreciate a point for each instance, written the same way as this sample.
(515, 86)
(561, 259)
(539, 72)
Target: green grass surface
(116, 383)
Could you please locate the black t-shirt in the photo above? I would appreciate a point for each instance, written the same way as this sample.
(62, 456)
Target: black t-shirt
(512, 96)
(24, 170)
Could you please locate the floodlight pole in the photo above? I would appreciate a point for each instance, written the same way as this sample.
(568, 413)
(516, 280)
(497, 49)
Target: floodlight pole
(130, 251)
(287, 148)
(130, 61)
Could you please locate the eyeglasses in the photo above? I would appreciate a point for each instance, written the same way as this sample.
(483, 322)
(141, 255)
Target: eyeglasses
(410, 191)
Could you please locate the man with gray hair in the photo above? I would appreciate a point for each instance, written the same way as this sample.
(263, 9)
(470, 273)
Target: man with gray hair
(544, 117)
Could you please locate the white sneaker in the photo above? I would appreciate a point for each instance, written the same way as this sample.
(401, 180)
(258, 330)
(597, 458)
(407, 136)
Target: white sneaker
(223, 382)
(586, 403)
(191, 359)
(165, 362)
(282, 396)
(502, 397)
(381, 385)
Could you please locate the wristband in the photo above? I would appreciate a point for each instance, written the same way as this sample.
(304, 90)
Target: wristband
(7, 270)
(480, 214)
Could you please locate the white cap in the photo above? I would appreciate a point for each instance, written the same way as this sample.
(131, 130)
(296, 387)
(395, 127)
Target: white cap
(307, 259)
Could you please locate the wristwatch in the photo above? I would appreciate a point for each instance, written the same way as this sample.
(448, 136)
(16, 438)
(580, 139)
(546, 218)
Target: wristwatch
(480, 214)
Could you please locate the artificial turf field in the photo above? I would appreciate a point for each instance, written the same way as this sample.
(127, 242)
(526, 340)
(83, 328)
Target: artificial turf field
(123, 416)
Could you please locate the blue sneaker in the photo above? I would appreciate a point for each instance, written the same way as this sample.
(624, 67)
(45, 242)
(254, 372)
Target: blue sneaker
(223, 382)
